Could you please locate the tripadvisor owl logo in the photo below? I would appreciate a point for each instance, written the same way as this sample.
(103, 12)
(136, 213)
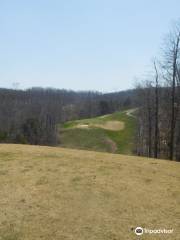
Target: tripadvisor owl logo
(138, 231)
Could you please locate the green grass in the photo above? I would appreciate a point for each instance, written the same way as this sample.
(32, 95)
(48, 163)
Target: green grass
(85, 139)
(99, 139)
(95, 120)
(123, 138)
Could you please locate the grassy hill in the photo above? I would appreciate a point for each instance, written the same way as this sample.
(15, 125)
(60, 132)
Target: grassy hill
(63, 194)
(110, 133)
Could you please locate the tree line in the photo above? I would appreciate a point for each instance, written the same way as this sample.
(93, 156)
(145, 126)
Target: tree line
(32, 116)
(158, 131)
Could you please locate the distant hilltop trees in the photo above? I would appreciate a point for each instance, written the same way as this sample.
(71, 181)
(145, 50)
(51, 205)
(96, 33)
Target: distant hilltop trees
(31, 116)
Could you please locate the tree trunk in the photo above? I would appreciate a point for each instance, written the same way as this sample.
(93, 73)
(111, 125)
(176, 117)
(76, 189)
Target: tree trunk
(173, 121)
(156, 135)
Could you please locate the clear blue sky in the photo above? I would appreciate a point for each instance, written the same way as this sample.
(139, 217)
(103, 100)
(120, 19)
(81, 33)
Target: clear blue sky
(81, 44)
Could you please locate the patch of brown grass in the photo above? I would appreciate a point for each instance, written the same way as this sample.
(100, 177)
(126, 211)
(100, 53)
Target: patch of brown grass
(108, 125)
(111, 125)
(63, 194)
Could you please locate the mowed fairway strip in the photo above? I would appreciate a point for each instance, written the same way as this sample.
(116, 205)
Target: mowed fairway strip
(63, 194)
(112, 133)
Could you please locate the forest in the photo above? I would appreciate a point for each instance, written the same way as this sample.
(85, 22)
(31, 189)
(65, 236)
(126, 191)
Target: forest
(31, 116)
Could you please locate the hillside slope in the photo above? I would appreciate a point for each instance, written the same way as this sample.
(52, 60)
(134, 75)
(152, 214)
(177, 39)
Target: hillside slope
(64, 194)
(109, 133)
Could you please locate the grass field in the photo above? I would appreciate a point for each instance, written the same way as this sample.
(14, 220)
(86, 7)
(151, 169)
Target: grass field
(110, 133)
(63, 194)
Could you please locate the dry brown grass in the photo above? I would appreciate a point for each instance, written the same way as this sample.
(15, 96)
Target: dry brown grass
(62, 194)
(108, 125)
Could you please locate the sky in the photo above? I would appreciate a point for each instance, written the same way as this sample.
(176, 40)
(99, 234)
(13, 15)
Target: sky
(101, 45)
